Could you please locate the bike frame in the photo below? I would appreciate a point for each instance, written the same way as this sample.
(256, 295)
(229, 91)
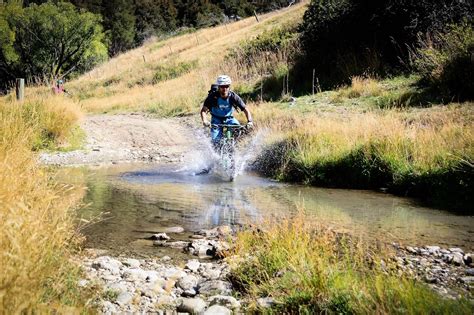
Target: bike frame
(227, 146)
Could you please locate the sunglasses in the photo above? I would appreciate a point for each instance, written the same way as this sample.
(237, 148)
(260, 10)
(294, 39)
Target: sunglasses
(224, 86)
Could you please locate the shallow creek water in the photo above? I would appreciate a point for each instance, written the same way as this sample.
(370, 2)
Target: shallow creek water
(135, 201)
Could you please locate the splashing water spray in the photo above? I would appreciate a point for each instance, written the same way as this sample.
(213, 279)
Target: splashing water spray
(203, 159)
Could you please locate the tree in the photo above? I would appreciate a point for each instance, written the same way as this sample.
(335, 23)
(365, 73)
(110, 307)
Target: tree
(154, 17)
(342, 38)
(48, 40)
(119, 21)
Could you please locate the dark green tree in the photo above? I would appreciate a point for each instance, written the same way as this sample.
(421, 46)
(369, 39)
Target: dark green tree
(349, 37)
(154, 17)
(48, 40)
(119, 22)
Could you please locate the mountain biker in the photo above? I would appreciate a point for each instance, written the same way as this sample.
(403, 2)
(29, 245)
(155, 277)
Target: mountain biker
(221, 105)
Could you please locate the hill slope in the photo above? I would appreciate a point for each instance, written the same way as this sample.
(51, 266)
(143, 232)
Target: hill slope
(171, 76)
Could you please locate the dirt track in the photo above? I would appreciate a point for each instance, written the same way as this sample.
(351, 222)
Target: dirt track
(126, 138)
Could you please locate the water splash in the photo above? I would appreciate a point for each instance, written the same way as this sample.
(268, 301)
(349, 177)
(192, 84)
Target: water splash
(249, 151)
(204, 160)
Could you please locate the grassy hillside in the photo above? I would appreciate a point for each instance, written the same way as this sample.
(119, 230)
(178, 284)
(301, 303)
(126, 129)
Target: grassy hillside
(172, 76)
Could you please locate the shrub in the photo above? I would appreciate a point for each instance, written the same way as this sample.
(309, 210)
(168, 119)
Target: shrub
(444, 61)
(343, 38)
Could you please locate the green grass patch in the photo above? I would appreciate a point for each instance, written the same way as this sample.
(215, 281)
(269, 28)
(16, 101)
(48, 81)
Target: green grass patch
(172, 70)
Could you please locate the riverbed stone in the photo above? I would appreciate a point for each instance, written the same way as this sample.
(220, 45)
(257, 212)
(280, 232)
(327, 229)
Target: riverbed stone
(188, 282)
(266, 302)
(131, 263)
(215, 287)
(191, 305)
(224, 230)
(118, 287)
(458, 259)
(109, 308)
(177, 244)
(193, 265)
(227, 301)
(124, 298)
(173, 273)
(189, 293)
(107, 263)
(151, 275)
(160, 237)
(135, 275)
(433, 249)
(217, 310)
(174, 229)
(456, 250)
(468, 259)
(468, 280)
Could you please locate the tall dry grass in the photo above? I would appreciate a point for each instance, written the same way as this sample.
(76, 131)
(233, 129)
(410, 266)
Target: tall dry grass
(308, 269)
(37, 232)
(427, 152)
(126, 82)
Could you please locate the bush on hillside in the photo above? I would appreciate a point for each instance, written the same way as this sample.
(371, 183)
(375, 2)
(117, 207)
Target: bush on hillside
(445, 63)
(343, 38)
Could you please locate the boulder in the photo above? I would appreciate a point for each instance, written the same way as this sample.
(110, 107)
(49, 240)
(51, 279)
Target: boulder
(215, 287)
(191, 305)
(217, 310)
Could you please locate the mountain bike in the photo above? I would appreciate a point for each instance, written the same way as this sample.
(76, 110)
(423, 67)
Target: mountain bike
(226, 147)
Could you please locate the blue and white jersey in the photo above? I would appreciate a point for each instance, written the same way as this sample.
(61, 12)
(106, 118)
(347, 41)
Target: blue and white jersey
(223, 108)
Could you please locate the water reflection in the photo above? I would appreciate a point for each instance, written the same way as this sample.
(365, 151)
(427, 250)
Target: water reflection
(140, 202)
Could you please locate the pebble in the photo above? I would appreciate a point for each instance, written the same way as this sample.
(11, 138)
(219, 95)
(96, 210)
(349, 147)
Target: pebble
(174, 229)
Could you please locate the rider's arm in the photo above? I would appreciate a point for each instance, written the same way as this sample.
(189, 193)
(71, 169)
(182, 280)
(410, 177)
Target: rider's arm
(203, 112)
(247, 114)
(241, 105)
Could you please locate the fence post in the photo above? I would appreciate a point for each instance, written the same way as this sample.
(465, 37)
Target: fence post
(312, 85)
(256, 17)
(20, 89)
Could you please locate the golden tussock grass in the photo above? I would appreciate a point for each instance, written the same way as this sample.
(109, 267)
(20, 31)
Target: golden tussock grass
(37, 231)
(308, 268)
(411, 140)
(125, 82)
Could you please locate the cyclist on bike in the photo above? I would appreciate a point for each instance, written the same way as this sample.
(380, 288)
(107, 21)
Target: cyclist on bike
(221, 104)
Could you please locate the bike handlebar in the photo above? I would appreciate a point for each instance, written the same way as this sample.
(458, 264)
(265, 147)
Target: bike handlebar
(227, 126)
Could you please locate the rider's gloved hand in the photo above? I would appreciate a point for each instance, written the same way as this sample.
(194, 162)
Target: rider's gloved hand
(250, 124)
(206, 123)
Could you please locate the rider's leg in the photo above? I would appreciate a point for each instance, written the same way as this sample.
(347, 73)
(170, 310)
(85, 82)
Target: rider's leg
(216, 132)
(231, 121)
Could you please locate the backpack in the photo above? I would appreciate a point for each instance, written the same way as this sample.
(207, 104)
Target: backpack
(214, 95)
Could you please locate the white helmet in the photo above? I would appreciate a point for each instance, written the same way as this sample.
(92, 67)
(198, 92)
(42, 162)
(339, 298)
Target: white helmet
(223, 80)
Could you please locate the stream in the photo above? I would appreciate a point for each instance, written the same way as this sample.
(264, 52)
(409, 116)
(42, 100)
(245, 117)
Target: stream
(134, 201)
